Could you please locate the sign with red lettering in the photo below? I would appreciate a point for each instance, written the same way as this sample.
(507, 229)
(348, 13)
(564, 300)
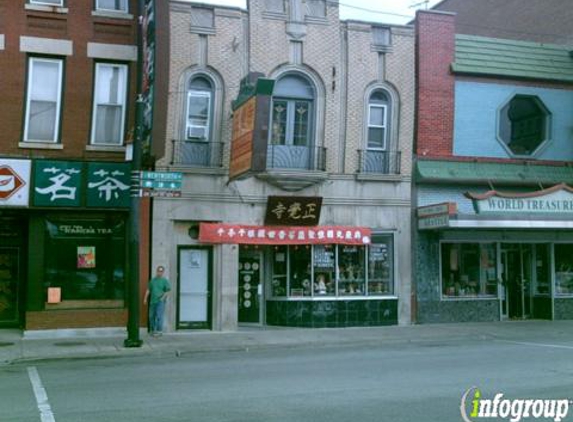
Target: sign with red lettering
(14, 182)
(283, 235)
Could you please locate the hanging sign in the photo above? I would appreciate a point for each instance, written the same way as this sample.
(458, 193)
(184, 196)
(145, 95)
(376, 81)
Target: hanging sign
(283, 235)
(293, 210)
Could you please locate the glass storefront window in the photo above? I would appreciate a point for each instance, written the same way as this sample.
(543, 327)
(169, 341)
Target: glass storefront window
(563, 269)
(469, 270)
(352, 274)
(324, 276)
(86, 258)
(333, 270)
(380, 266)
(542, 269)
(279, 269)
(300, 275)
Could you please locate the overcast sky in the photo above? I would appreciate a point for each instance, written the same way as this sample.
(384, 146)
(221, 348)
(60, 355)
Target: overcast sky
(387, 11)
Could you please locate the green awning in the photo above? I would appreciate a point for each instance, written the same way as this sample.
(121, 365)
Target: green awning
(508, 173)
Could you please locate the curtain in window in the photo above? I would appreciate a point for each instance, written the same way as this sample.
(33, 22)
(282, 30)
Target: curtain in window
(120, 5)
(43, 105)
(110, 104)
(198, 110)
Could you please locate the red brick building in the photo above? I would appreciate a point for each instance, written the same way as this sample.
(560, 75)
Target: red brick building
(68, 77)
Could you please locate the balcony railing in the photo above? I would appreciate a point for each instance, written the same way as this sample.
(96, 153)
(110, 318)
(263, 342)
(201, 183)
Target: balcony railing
(379, 162)
(197, 153)
(296, 157)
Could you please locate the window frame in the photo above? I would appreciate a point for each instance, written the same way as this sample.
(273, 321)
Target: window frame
(193, 92)
(124, 108)
(29, 88)
(384, 126)
(99, 8)
(46, 3)
(290, 122)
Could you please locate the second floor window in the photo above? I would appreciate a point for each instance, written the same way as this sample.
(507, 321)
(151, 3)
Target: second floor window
(377, 121)
(113, 5)
(199, 110)
(292, 112)
(43, 100)
(110, 95)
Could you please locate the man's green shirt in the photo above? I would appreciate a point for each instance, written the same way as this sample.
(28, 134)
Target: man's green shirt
(157, 287)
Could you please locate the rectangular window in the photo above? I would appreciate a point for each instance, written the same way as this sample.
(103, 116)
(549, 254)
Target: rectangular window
(333, 270)
(44, 98)
(198, 115)
(114, 5)
(563, 269)
(381, 266)
(377, 126)
(291, 122)
(469, 270)
(48, 2)
(110, 96)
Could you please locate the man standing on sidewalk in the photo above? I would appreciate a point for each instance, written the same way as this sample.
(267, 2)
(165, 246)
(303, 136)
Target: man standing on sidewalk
(158, 289)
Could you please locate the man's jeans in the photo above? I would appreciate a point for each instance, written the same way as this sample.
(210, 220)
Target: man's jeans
(156, 311)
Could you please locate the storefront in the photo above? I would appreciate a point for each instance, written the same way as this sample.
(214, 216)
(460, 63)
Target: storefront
(496, 255)
(320, 276)
(63, 254)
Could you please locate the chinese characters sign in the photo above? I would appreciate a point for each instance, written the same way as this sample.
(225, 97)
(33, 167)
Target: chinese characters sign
(282, 235)
(75, 184)
(293, 210)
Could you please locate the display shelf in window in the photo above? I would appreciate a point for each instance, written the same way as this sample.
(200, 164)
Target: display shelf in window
(379, 286)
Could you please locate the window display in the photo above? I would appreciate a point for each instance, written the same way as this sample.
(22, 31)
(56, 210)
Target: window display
(469, 269)
(86, 258)
(332, 270)
(563, 269)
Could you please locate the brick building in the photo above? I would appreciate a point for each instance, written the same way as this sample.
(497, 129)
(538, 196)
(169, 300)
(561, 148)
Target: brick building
(492, 165)
(68, 75)
(331, 143)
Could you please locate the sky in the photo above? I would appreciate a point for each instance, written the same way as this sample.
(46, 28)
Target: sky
(386, 11)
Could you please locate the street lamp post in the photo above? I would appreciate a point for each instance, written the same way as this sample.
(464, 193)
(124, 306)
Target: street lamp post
(134, 308)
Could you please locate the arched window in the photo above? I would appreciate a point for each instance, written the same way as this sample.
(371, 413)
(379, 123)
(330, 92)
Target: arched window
(199, 113)
(292, 117)
(379, 112)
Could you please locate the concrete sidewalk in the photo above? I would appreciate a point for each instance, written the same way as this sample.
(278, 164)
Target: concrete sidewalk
(16, 346)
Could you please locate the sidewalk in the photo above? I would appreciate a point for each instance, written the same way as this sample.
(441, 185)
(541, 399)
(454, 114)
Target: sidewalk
(17, 347)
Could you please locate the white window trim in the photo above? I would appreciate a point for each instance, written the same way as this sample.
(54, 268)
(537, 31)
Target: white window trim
(46, 3)
(95, 104)
(126, 10)
(197, 93)
(60, 63)
(384, 126)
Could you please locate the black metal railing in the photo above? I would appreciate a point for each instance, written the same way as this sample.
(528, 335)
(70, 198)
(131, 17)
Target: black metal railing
(197, 153)
(296, 157)
(379, 162)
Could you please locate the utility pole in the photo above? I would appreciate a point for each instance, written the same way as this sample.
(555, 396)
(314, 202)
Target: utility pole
(134, 306)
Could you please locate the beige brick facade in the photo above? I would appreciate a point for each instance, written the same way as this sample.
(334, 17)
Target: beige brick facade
(345, 67)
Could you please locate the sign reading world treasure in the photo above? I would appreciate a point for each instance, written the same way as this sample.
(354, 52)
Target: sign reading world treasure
(555, 200)
(76, 184)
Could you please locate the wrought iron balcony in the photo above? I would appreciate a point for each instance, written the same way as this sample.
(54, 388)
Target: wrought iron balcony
(311, 158)
(379, 162)
(197, 153)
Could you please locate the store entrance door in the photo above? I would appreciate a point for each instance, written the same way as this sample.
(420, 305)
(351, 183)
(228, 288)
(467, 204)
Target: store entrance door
(9, 286)
(517, 271)
(194, 293)
(250, 286)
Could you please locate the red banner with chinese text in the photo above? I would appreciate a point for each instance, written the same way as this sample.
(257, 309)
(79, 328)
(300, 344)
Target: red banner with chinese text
(282, 235)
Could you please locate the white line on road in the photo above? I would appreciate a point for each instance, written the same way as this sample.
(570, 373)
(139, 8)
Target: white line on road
(525, 343)
(41, 396)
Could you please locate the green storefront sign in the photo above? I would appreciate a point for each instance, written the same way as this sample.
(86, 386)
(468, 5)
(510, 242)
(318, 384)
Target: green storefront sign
(81, 184)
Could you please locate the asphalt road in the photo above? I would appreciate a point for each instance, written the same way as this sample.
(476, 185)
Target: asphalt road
(400, 382)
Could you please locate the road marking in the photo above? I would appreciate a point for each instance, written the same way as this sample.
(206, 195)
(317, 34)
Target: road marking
(525, 343)
(41, 396)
